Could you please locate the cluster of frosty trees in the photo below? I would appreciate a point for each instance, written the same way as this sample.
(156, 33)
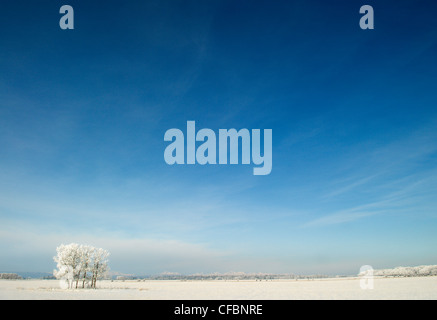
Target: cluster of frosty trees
(420, 271)
(80, 265)
(10, 276)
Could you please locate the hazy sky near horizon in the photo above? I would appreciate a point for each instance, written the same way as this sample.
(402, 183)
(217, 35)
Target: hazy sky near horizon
(83, 114)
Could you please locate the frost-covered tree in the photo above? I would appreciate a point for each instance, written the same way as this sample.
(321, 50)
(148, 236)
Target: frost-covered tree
(68, 261)
(86, 261)
(100, 265)
(80, 264)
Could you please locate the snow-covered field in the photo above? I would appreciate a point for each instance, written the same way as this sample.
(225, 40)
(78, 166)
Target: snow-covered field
(384, 288)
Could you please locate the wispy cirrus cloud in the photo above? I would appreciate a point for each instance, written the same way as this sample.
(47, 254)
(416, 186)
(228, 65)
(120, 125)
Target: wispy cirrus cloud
(395, 177)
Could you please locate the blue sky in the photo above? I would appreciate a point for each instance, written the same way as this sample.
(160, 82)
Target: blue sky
(83, 114)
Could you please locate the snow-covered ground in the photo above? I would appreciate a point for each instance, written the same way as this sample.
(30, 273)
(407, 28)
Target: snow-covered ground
(384, 288)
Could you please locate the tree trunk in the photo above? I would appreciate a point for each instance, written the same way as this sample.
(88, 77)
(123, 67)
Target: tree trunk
(84, 276)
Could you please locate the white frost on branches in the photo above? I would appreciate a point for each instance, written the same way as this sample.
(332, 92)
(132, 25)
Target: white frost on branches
(80, 265)
(420, 271)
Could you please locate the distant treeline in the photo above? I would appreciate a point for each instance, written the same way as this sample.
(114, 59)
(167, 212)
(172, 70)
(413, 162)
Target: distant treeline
(226, 276)
(10, 276)
(420, 271)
